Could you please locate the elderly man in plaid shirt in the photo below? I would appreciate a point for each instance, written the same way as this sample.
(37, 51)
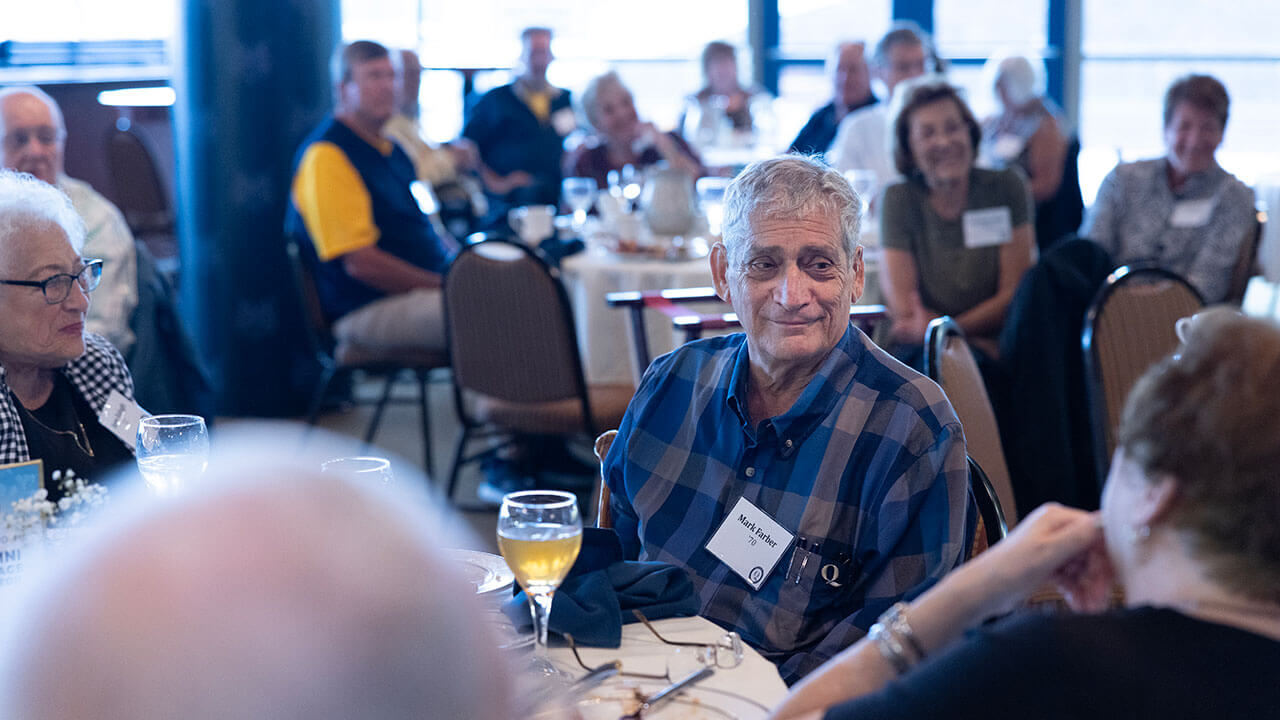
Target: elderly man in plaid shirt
(804, 478)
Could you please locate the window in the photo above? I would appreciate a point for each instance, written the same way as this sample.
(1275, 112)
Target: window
(1125, 73)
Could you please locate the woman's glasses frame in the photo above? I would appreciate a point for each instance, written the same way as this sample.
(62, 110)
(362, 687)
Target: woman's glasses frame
(56, 288)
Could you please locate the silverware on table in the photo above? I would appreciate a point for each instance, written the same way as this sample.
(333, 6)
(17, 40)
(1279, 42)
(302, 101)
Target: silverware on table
(668, 693)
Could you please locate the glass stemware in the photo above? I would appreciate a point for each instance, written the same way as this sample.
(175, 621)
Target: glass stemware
(579, 194)
(864, 184)
(711, 197)
(172, 450)
(374, 469)
(540, 534)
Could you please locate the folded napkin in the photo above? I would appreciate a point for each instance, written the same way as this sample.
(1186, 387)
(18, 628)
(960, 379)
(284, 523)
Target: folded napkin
(592, 604)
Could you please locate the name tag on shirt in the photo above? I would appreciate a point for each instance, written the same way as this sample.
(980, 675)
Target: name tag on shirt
(1192, 213)
(750, 542)
(121, 415)
(1008, 147)
(987, 227)
(563, 121)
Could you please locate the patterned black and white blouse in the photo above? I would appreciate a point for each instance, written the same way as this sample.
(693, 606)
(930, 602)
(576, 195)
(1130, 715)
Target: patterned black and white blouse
(94, 375)
(1133, 218)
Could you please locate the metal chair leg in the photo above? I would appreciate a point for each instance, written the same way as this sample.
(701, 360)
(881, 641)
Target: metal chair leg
(376, 420)
(425, 399)
(317, 398)
(457, 463)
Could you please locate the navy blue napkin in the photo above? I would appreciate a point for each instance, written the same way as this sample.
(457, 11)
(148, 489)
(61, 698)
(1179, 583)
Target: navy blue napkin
(593, 602)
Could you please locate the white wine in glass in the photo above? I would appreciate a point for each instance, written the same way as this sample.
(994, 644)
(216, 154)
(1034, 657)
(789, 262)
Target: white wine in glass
(540, 534)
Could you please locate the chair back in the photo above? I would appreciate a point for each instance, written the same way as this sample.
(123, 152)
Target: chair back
(992, 526)
(140, 194)
(316, 324)
(1128, 328)
(510, 327)
(1247, 262)
(600, 499)
(949, 362)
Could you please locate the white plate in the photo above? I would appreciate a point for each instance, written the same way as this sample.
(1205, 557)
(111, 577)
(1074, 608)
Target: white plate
(615, 700)
(487, 572)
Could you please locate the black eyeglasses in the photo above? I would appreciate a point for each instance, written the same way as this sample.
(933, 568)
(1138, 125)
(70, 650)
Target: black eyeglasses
(56, 288)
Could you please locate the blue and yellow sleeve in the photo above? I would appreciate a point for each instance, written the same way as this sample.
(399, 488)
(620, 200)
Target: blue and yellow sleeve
(333, 202)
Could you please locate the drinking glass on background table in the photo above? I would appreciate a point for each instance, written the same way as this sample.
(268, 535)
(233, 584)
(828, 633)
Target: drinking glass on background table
(172, 450)
(864, 184)
(579, 193)
(711, 198)
(376, 469)
(540, 534)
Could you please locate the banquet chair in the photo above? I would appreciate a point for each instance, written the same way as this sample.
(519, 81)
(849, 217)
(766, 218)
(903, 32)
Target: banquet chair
(337, 360)
(140, 193)
(517, 370)
(600, 498)
(1128, 327)
(1247, 263)
(949, 362)
(991, 525)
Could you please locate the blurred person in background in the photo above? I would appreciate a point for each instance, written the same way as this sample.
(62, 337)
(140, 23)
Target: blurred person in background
(519, 130)
(620, 138)
(55, 375)
(957, 239)
(1189, 528)
(1029, 132)
(723, 103)
(270, 590)
(862, 140)
(1182, 212)
(847, 68)
(35, 141)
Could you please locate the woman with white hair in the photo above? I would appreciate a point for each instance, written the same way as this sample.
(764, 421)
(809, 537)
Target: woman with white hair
(55, 377)
(1028, 132)
(621, 138)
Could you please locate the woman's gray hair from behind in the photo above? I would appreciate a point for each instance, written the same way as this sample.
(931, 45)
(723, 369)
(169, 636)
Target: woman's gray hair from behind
(26, 202)
(789, 186)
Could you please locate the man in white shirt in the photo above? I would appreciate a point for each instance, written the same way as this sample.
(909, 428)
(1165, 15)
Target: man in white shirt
(34, 141)
(862, 141)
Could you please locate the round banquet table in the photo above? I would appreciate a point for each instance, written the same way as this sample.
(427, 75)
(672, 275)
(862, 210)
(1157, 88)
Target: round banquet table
(603, 335)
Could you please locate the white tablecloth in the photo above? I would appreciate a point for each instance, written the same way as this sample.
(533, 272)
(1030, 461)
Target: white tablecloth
(604, 335)
(756, 679)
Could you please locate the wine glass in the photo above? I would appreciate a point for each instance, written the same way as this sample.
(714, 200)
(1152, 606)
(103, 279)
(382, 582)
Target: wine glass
(579, 193)
(711, 197)
(864, 184)
(369, 468)
(172, 450)
(540, 534)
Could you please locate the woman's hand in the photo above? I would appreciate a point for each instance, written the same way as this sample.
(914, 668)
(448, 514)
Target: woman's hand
(1053, 543)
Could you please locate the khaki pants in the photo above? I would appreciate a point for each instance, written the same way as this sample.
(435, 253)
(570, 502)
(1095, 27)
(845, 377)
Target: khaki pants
(409, 321)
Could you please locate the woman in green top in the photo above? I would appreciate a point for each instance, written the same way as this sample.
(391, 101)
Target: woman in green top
(957, 239)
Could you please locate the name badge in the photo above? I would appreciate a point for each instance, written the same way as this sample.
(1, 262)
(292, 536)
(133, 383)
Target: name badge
(987, 227)
(563, 121)
(1008, 147)
(1192, 213)
(121, 415)
(750, 542)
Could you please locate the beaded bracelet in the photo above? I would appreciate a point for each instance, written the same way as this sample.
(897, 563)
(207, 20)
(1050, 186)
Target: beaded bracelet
(893, 636)
(890, 648)
(895, 619)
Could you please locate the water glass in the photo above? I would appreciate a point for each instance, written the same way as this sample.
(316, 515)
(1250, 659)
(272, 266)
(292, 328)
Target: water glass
(711, 197)
(579, 194)
(172, 450)
(364, 468)
(864, 184)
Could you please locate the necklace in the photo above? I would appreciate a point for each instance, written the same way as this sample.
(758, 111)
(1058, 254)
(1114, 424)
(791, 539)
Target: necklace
(85, 447)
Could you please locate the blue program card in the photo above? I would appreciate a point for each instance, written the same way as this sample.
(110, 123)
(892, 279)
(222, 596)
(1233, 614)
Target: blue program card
(19, 481)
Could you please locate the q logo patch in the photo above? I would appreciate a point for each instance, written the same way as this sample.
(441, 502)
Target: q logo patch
(756, 575)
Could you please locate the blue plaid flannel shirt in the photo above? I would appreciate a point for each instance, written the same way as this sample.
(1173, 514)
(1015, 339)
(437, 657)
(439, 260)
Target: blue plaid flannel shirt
(867, 468)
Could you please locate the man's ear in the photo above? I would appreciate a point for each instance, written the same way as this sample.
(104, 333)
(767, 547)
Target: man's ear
(1157, 499)
(720, 271)
(859, 275)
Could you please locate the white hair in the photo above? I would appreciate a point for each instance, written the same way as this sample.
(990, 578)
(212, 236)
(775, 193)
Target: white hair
(26, 202)
(40, 95)
(269, 590)
(591, 95)
(790, 187)
(1022, 79)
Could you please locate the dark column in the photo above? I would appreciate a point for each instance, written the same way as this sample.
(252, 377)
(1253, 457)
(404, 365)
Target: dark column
(251, 80)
